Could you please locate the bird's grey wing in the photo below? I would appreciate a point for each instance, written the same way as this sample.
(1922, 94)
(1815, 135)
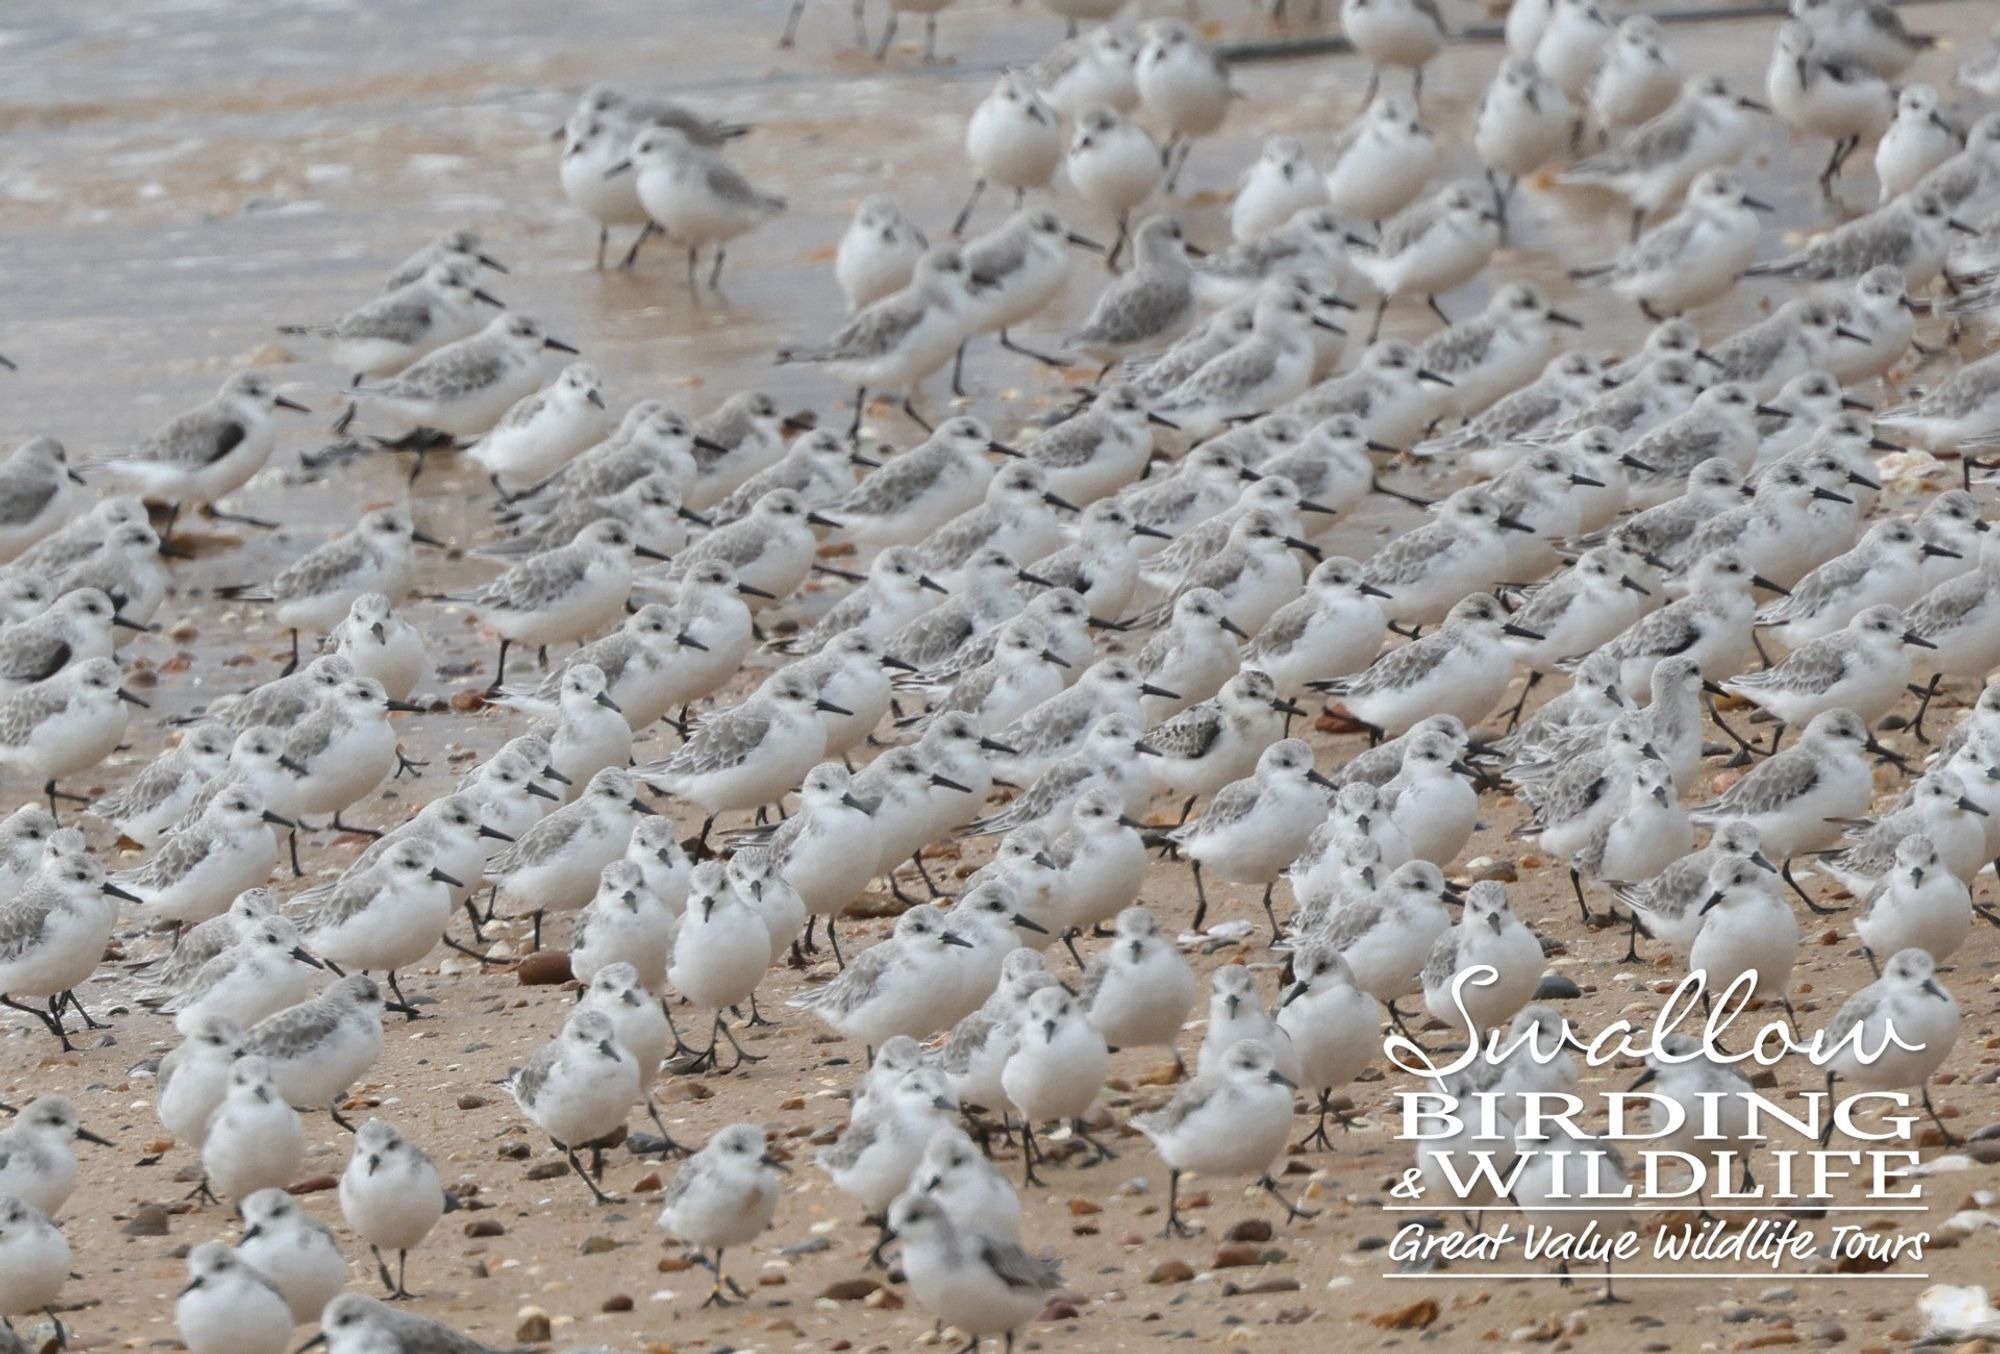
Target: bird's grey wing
(1015, 1267)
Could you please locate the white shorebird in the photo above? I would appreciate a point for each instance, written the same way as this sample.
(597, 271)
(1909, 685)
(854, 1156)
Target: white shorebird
(878, 254)
(1908, 1001)
(390, 1197)
(294, 1250)
(1652, 167)
(724, 1195)
(1693, 257)
(693, 195)
(229, 1307)
(1014, 139)
(1379, 164)
(1183, 84)
(1230, 1122)
(578, 1088)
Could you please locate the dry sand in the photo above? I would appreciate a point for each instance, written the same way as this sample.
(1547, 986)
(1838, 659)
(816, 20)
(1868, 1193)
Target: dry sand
(181, 180)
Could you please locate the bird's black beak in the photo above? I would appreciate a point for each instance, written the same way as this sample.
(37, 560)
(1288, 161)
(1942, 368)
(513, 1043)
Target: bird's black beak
(622, 167)
(278, 818)
(283, 402)
(607, 702)
(114, 891)
(559, 346)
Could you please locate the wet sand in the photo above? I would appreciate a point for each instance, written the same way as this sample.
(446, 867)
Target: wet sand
(181, 181)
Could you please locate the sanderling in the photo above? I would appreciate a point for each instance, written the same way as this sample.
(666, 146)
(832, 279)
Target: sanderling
(1184, 85)
(1694, 256)
(193, 1078)
(1058, 1066)
(1192, 655)
(1335, 628)
(578, 1088)
(895, 343)
(1778, 533)
(1217, 741)
(1059, 725)
(896, 591)
(1909, 234)
(1491, 440)
(875, 1157)
(724, 1195)
(693, 195)
(1378, 165)
(1862, 667)
(203, 942)
(1572, 45)
(1423, 573)
(903, 501)
(1936, 808)
(342, 750)
(1669, 905)
(1277, 186)
(388, 332)
(1639, 79)
(65, 724)
(1107, 753)
(37, 494)
(1796, 798)
(650, 439)
(1099, 450)
(1496, 351)
(1429, 802)
(390, 1196)
(206, 862)
(1138, 990)
(1824, 91)
(825, 851)
(74, 630)
(1523, 122)
(748, 756)
(315, 591)
(37, 1161)
(625, 923)
(1101, 565)
(1711, 625)
(209, 451)
(819, 468)
(650, 507)
(228, 1306)
(979, 1284)
(564, 593)
(1955, 617)
(1096, 68)
(34, 1263)
(83, 537)
(387, 915)
(319, 1048)
(770, 547)
(1405, 33)
(963, 631)
(1252, 828)
(255, 1140)
(1230, 1122)
(1961, 412)
(893, 987)
(1253, 570)
(1908, 1002)
(1272, 365)
(721, 953)
(1489, 934)
(1312, 239)
(970, 1189)
(637, 1014)
(556, 864)
(1915, 903)
(1014, 139)
(592, 144)
(463, 388)
(454, 246)
(1115, 165)
(1704, 127)
(128, 571)
(381, 645)
(878, 253)
(1885, 568)
(1460, 669)
(1208, 481)
(294, 1250)
(1431, 247)
(1919, 140)
(263, 972)
(740, 438)
(1017, 517)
